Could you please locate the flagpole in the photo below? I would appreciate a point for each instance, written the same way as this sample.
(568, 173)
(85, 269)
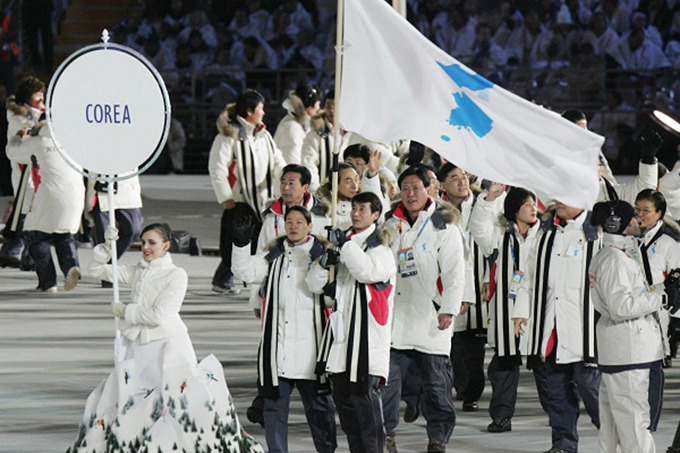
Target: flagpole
(336, 116)
(400, 6)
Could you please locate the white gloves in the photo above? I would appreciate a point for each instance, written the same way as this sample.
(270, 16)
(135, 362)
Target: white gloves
(118, 309)
(110, 235)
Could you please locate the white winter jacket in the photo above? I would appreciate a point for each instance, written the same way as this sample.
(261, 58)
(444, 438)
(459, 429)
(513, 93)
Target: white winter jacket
(296, 341)
(227, 164)
(437, 246)
(18, 117)
(127, 196)
(627, 332)
(158, 289)
(647, 178)
(364, 262)
(274, 226)
(59, 199)
(669, 185)
(292, 129)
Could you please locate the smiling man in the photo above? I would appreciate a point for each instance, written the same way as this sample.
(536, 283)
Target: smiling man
(428, 250)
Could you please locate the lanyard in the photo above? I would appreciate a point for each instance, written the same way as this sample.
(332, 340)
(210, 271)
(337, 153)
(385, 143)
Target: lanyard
(419, 233)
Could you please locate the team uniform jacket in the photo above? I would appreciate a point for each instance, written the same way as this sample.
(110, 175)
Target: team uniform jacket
(437, 247)
(561, 293)
(512, 254)
(244, 163)
(127, 195)
(293, 317)
(660, 253)
(647, 178)
(292, 129)
(357, 338)
(158, 289)
(669, 185)
(317, 150)
(18, 117)
(59, 199)
(628, 333)
(477, 317)
(274, 226)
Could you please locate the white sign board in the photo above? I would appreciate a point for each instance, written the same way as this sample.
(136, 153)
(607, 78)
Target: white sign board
(108, 111)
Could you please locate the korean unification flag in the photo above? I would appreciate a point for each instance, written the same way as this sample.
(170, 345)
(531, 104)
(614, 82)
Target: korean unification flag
(398, 85)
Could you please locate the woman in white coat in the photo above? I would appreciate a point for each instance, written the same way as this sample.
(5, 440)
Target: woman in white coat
(629, 338)
(511, 245)
(660, 253)
(57, 206)
(157, 398)
(293, 321)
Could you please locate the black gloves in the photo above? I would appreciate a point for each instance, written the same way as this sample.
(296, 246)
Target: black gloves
(672, 285)
(242, 231)
(650, 142)
(336, 236)
(329, 258)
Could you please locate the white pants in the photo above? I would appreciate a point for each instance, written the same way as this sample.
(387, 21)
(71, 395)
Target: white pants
(624, 412)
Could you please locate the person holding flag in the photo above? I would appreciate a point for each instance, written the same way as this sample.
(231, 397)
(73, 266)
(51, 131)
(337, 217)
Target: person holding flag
(356, 344)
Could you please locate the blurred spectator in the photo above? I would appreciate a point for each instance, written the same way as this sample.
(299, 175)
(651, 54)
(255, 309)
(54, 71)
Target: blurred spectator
(637, 53)
(609, 121)
(672, 50)
(486, 53)
(617, 13)
(660, 15)
(299, 16)
(198, 21)
(177, 18)
(639, 22)
(134, 29)
(36, 21)
(603, 38)
(458, 37)
(253, 53)
(200, 54)
(243, 26)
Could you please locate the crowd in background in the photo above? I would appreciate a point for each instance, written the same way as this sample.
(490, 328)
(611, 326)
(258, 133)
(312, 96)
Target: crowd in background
(612, 58)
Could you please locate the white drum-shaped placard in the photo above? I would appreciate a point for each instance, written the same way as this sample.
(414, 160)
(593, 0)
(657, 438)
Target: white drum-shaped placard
(108, 110)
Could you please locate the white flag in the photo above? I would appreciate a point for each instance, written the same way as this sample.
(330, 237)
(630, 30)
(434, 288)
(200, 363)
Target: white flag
(398, 85)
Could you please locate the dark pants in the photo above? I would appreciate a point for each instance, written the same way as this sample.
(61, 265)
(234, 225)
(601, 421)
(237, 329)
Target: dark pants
(656, 383)
(436, 403)
(504, 382)
(565, 384)
(37, 26)
(128, 222)
(361, 415)
(467, 357)
(39, 247)
(411, 386)
(223, 272)
(319, 411)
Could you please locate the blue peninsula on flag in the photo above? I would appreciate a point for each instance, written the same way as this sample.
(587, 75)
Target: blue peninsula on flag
(396, 84)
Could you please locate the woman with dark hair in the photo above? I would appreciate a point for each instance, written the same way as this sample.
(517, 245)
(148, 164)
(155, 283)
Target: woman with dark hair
(23, 112)
(509, 242)
(158, 397)
(293, 321)
(660, 253)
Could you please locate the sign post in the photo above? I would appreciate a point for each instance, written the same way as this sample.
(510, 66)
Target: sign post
(108, 111)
